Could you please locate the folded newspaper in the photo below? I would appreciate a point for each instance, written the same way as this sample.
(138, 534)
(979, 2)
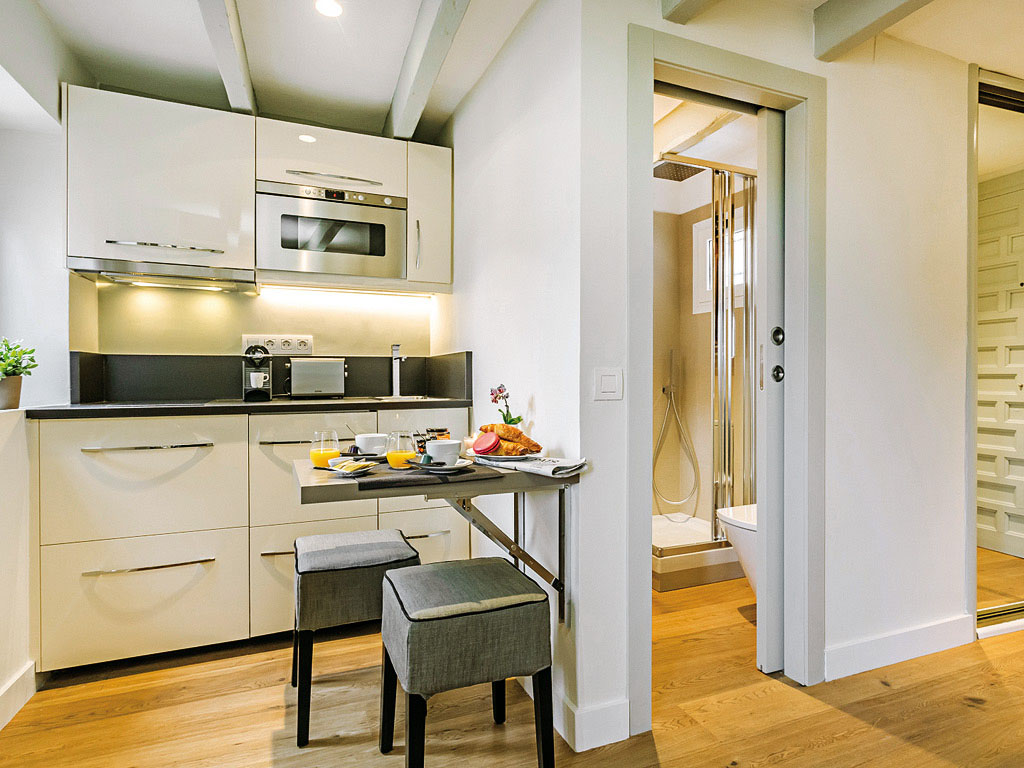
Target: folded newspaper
(548, 466)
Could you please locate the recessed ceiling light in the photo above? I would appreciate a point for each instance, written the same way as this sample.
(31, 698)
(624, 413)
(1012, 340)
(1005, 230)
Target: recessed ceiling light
(330, 8)
(307, 138)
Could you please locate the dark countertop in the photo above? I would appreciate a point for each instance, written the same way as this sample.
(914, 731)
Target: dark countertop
(111, 410)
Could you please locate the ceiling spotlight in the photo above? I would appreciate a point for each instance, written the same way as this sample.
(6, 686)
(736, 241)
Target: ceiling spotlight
(307, 138)
(329, 8)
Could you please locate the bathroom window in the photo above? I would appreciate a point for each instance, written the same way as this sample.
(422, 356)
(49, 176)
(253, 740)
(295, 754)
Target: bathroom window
(703, 261)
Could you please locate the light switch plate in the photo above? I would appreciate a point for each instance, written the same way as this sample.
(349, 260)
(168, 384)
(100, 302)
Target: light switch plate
(607, 383)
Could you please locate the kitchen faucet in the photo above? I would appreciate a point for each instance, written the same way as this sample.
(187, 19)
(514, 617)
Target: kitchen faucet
(396, 369)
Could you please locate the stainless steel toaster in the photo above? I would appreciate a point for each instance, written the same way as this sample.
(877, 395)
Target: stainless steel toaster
(318, 376)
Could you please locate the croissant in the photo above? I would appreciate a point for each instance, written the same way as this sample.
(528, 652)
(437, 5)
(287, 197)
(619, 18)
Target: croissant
(513, 435)
(508, 448)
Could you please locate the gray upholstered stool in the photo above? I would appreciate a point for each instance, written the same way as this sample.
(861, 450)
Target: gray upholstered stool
(454, 624)
(338, 581)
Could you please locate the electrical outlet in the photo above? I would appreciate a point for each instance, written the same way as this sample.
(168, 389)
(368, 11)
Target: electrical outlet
(290, 344)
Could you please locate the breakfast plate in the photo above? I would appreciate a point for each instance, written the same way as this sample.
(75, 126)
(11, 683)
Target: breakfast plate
(347, 457)
(442, 469)
(336, 468)
(493, 457)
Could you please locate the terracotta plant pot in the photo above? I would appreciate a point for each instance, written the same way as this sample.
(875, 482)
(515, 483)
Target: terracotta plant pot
(10, 392)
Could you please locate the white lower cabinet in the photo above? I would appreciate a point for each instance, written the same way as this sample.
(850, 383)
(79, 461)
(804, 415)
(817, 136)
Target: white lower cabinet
(104, 600)
(455, 420)
(164, 533)
(115, 478)
(437, 534)
(275, 441)
(272, 569)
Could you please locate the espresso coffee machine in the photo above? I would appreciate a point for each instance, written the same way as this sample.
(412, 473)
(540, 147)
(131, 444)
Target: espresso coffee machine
(257, 376)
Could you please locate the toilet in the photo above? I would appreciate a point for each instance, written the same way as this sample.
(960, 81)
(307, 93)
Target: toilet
(740, 525)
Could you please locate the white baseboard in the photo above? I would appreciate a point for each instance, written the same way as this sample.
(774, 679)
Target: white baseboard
(882, 650)
(16, 691)
(1002, 628)
(585, 728)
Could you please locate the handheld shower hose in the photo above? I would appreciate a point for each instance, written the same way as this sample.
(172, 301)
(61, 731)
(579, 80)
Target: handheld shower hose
(688, 449)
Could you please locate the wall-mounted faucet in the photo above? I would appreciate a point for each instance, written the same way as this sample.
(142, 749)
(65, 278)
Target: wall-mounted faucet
(396, 370)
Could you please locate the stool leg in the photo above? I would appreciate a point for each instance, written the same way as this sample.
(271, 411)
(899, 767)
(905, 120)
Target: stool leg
(544, 721)
(498, 701)
(388, 689)
(305, 674)
(415, 729)
(295, 657)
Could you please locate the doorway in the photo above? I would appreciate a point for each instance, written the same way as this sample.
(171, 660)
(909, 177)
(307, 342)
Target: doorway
(999, 333)
(793, 225)
(704, 179)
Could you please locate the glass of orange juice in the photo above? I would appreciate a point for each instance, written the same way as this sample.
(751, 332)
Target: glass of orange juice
(325, 446)
(400, 449)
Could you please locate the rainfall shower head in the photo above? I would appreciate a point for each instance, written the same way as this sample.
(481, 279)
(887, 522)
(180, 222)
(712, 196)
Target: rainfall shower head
(673, 170)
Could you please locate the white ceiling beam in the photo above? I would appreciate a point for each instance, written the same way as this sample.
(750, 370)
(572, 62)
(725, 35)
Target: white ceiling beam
(682, 11)
(711, 128)
(842, 25)
(225, 32)
(432, 36)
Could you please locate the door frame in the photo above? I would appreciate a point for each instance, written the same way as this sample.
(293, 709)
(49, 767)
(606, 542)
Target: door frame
(801, 97)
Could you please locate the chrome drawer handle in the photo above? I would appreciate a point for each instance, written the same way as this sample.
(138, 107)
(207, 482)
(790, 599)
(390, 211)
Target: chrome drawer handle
(429, 535)
(314, 174)
(279, 553)
(164, 245)
(142, 568)
(100, 449)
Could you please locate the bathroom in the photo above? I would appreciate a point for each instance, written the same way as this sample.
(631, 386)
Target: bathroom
(703, 441)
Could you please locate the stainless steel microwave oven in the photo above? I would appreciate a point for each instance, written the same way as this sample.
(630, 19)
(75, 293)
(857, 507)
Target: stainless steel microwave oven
(316, 231)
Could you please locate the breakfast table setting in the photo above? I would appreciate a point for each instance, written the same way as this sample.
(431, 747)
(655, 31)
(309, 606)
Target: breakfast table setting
(499, 458)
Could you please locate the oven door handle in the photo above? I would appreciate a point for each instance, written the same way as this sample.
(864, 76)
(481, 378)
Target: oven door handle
(316, 174)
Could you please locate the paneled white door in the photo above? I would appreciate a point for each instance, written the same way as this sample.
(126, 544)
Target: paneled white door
(1000, 336)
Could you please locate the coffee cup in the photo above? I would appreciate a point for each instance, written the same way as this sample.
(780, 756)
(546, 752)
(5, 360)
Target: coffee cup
(444, 451)
(371, 442)
(258, 378)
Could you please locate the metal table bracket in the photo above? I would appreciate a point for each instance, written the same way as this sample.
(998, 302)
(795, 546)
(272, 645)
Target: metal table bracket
(513, 546)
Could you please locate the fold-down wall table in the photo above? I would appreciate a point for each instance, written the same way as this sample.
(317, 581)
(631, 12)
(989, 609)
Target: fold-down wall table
(318, 486)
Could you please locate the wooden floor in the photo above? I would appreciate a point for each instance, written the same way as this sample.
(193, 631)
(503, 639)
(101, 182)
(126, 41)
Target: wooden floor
(1000, 578)
(711, 708)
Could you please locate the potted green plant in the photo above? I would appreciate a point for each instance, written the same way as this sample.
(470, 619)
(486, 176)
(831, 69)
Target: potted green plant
(15, 361)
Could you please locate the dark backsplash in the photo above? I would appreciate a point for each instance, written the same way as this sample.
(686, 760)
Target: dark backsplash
(200, 378)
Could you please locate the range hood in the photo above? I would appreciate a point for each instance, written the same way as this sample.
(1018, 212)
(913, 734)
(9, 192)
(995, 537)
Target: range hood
(166, 275)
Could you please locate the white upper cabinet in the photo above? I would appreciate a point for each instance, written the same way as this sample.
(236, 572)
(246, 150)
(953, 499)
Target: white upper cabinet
(335, 159)
(155, 181)
(429, 253)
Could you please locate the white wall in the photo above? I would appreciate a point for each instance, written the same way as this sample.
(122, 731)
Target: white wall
(17, 678)
(33, 54)
(895, 327)
(133, 320)
(516, 292)
(33, 279)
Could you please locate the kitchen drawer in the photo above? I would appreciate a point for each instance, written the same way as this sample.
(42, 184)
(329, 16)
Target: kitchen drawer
(275, 441)
(113, 478)
(272, 569)
(336, 159)
(171, 591)
(456, 420)
(437, 534)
